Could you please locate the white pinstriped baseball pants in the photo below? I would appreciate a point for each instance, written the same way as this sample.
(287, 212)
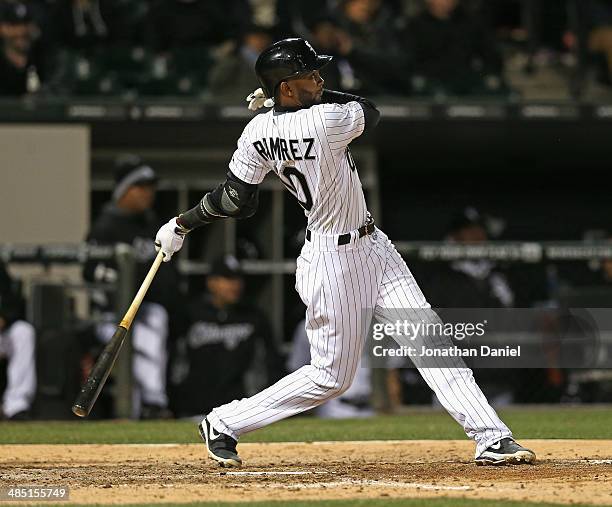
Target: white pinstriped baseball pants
(338, 284)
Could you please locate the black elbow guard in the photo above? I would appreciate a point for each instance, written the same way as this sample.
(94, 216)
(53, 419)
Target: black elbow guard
(234, 198)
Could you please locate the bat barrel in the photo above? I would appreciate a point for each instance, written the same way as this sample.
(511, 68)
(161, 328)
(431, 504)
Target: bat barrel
(97, 378)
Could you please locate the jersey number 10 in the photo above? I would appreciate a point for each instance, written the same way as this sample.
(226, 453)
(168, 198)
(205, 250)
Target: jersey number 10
(291, 184)
(300, 179)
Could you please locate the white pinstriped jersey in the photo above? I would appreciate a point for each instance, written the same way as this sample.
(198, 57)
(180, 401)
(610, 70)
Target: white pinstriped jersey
(309, 151)
(342, 284)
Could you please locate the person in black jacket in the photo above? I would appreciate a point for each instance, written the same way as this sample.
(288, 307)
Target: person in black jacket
(22, 60)
(222, 340)
(86, 25)
(369, 40)
(453, 50)
(175, 24)
(129, 219)
(470, 283)
(17, 347)
(475, 284)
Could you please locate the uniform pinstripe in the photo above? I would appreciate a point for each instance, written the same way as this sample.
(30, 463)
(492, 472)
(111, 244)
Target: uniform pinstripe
(343, 286)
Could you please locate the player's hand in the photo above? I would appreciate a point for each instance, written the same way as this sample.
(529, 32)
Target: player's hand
(258, 99)
(169, 239)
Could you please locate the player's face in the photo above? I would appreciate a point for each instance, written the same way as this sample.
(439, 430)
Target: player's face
(145, 196)
(225, 291)
(308, 88)
(441, 8)
(471, 234)
(607, 269)
(17, 37)
(138, 198)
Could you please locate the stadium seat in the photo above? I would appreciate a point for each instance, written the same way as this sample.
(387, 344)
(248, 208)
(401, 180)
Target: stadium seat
(85, 76)
(170, 85)
(129, 64)
(192, 61)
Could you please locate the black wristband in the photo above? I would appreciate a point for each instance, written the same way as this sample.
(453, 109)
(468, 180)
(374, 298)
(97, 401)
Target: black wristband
(333, 97)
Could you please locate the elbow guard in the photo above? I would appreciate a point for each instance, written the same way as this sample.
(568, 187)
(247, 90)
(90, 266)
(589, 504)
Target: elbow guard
(234, 198)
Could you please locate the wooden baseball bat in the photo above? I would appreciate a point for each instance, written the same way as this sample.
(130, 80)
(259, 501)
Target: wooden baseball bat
(97, 378)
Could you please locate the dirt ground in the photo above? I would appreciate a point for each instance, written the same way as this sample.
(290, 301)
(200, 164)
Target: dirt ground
(568, 471)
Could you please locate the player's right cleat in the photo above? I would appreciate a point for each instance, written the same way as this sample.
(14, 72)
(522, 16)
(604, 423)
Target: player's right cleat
(221, 447)
(506, 452)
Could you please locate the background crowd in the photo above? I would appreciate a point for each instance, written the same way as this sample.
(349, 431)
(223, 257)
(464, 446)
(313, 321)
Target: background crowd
(198, 346)
(207, 48)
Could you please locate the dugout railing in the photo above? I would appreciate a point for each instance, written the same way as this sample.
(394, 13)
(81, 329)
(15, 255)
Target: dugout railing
(47, 256)
(57, 302)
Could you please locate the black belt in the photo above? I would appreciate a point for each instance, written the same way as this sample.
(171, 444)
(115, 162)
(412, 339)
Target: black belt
(345, 239)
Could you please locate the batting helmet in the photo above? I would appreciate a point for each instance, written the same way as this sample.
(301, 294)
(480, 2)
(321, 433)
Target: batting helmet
(286, 59)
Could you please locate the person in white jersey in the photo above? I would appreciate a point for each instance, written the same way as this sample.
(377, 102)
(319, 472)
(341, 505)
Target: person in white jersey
(348, 270)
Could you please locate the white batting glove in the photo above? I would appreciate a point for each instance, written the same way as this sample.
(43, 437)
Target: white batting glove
(258, 99)
(169, 239)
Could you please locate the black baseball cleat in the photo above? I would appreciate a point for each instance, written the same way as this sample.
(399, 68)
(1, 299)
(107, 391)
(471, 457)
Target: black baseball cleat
(221, 447)
(506, 452)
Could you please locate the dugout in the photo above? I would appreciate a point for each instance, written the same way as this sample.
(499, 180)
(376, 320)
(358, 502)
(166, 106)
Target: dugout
(538, 166)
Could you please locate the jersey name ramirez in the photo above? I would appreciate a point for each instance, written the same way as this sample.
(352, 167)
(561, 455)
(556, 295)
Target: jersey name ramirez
(275, 148)
(308, 150)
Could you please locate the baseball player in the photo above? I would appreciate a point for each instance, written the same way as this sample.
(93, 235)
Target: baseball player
(347, 265)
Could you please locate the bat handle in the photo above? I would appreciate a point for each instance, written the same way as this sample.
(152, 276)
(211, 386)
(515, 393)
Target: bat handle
(131, 312)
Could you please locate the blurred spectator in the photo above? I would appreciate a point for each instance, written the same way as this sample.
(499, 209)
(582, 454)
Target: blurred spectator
(17, 345)
(22, 62)
(220, 345)
(475, 284)
(606, 269)
(324, 36)
(370, 42)
(186, 23)
(232, 78)
(595, 28)
(452, 52)
(469, 283)
(264, 13)
(295, 17)
(129, 219)
(354, 402)
(86, 25)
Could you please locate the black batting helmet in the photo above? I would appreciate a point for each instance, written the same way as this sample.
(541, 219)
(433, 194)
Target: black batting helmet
(286, 59)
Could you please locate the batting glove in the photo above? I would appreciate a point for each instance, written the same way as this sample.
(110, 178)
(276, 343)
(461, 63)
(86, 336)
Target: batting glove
(169, 238)
(258, 99)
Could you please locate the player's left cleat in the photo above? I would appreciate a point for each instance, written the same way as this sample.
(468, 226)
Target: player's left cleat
(221, 447)
(506, 452)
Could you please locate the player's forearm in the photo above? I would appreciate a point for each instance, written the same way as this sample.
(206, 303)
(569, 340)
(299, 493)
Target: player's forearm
(202, 214)
(371, 114)
(234, 198)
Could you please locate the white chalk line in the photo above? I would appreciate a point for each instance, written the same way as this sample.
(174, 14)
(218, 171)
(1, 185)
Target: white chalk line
(148, 445)
(274, 472)
(367, 482)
